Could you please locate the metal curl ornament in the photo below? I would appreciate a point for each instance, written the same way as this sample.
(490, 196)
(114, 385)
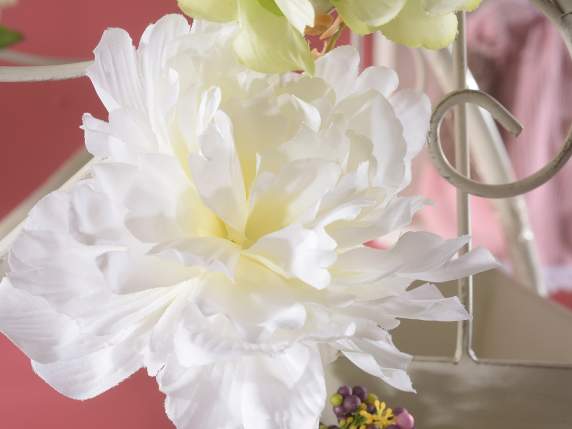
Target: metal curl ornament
(559, 12)
(511, 124)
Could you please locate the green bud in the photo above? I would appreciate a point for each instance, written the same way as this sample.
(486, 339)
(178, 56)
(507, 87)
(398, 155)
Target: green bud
(371, 398)
(336, 399)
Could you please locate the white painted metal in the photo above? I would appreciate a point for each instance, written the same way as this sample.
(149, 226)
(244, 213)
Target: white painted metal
(493, 164)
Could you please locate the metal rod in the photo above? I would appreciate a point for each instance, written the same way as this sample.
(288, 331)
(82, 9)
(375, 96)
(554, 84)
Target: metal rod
(462, 163)
(43, 73)
(491, 158)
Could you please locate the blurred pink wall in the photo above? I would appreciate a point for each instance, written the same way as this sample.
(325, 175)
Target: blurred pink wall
(39, 126)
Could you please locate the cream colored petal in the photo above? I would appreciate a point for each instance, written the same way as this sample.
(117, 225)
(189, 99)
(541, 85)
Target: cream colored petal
(268, 43)
(416, 28)
(291, 196)
(364, 16)
(297, 252)
(211, 10)
(217, 173)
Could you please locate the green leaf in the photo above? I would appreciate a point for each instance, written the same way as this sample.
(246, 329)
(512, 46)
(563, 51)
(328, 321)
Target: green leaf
(271, 6)
(415, 27)
(9, 37)
(268, 43)
(211, 10)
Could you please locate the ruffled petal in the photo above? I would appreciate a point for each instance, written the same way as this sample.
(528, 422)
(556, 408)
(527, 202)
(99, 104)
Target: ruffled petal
(217, 173)
(379, 357)
(192, 391)
(424, 303)
(126, 78)
(88, 376)
(370, 116)
(298, 252)
(211, 253)
(416, 256)
(413, 109)
(256, 392)
(381, 79)
(33, 325)
(339, 68)
(285, 391)
(377, 222)
(292, 196)
(416, 28)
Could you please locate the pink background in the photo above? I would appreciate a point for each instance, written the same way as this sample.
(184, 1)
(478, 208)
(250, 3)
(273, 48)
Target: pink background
(40, 129)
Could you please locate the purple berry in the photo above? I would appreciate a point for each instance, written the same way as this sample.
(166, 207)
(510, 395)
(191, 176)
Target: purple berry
(398, 410)
(392, 427)
(345, 391)
(339, 411)
(360, 392)
(351, 403)
(371, 409)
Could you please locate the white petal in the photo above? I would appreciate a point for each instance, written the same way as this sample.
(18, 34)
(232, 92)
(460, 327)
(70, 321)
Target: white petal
(217, 173)
(114, 316)
(33, 325)
(191, 393)
(413, 109)
(376, 223)
(476, 261)
(128, 271)
(381, 359)
(293, 196)
(382, 79)
(114, 73)
(213, 253)
(298, 252)
(425, 303)
(415, 256)
(121, 79)
(51, 213)
(339, 68)
(372, 116)
(285, 391)
(88, 376)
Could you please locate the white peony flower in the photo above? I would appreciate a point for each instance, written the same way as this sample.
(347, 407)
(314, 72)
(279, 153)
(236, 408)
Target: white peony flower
(218, 239)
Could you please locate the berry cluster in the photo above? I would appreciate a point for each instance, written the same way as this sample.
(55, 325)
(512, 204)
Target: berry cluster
(356, 409)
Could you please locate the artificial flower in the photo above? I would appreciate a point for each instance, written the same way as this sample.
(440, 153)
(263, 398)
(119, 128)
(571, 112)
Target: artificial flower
(428, 24)
(271, 36)
(217, 240)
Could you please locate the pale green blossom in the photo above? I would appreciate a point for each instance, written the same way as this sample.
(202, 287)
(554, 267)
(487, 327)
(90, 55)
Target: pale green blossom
(271, 37)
